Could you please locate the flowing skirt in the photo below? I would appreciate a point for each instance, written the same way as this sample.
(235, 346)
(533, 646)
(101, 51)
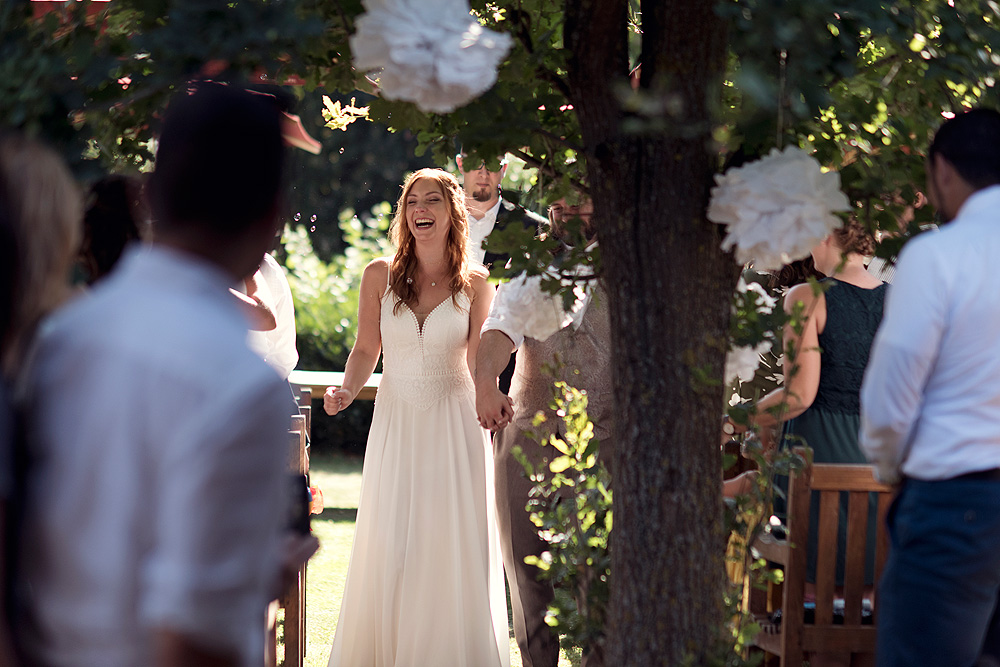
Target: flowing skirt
(425, 582)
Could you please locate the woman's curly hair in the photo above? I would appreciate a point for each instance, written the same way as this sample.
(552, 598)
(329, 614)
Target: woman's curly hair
(854, 237)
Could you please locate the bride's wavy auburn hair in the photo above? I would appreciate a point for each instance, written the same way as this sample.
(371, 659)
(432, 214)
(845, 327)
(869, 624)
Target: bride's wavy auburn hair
(403, 268)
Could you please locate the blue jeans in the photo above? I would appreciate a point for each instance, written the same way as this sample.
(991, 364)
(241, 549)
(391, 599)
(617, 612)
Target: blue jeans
(937, 599)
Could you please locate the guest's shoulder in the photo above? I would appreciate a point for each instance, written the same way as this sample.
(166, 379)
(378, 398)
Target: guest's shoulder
(804, 294)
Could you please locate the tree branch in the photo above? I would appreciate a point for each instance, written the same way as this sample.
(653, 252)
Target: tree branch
(558, 139)
(547, 169)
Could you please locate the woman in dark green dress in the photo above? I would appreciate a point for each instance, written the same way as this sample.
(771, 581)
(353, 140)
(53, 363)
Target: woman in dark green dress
(819, 402)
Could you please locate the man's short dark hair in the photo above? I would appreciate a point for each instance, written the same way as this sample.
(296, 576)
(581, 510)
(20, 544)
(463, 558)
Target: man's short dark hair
(220, 160)
(970, 142)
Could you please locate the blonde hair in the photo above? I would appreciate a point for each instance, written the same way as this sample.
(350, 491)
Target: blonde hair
(403, 267)
(45, 208)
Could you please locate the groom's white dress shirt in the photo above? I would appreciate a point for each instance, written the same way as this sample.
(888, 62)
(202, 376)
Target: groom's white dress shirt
(158, 494)
(930, 401)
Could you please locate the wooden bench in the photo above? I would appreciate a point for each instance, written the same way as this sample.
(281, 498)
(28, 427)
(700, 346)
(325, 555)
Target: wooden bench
(848, 638)
(293, 598)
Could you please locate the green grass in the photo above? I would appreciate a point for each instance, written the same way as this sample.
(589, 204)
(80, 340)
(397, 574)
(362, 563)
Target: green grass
(340, 478)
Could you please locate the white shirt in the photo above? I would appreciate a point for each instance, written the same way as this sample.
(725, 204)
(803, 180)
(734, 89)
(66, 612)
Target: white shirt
(522, 309)
(930, 401)
(159, 496)
(277, 346)
(480, 229)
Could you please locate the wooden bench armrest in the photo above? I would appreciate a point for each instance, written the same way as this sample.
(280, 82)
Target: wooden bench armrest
(772, 549)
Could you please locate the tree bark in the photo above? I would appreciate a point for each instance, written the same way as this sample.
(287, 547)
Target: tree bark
(669, 288)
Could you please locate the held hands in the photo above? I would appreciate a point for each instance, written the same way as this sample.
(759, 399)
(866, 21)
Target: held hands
(494, 408)
(336, 399)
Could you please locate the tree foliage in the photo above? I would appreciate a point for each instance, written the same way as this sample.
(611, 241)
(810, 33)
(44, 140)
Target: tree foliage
(862, 83)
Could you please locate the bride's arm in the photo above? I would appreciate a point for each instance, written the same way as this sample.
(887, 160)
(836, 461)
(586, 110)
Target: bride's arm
(482, 297)
(364, 355)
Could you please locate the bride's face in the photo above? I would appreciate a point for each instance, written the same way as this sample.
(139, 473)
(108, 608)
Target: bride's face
(428, 214)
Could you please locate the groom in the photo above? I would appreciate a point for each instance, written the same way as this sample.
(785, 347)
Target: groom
(585, 350)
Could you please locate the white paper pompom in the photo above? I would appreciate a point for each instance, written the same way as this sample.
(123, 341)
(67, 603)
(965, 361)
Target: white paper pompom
(742, 362)
(431, 52)
(776, 208)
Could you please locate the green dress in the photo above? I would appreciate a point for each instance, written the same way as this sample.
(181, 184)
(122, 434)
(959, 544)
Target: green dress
(830, 425)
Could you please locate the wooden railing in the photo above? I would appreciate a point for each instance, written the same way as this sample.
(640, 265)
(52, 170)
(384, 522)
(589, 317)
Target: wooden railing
(318, 381)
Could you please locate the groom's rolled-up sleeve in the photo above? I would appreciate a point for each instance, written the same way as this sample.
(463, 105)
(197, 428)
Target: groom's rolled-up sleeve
(500, 318)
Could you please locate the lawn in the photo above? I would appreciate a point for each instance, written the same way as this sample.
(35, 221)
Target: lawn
(340, 479)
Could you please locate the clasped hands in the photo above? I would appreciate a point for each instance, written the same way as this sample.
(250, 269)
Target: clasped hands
(494, 409)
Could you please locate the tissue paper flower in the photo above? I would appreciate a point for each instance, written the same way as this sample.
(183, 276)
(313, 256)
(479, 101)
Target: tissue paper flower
(765, 302)
(431, 52)
(742, 362)
(776, 208)
(535, 313)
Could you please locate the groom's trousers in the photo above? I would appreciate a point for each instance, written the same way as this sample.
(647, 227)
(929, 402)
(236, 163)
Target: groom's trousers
(529, 597)
(585, 355)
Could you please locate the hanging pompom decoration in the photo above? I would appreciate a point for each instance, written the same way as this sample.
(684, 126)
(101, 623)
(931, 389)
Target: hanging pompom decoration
(777, 208)
(431, 52)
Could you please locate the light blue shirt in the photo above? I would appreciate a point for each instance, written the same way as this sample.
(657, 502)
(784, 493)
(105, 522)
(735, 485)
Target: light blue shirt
(159, 493)
(930, 401)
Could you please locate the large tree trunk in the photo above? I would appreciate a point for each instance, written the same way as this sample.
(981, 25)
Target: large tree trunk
(669, 287)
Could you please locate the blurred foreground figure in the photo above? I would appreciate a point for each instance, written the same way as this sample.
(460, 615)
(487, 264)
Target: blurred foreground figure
(930, 410)
(157, 488)
(40, 212)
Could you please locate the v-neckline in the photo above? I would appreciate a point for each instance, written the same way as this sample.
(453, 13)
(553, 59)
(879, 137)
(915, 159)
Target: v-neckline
(421, 324)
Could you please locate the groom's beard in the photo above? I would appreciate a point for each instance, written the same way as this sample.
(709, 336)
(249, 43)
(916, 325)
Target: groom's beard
(482, 194)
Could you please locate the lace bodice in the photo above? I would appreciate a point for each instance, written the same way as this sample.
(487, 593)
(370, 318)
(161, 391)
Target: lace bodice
(852, 317)
(422, 365)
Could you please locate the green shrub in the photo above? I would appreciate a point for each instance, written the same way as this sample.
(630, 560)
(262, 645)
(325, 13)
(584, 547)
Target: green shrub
(326, 311)
(570, 503)
(326, 293)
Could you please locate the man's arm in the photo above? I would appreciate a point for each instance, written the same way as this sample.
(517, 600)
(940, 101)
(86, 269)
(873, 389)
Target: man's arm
(252, 304)
(495, 410)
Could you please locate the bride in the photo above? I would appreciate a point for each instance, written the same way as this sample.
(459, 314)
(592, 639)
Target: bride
(425, 584)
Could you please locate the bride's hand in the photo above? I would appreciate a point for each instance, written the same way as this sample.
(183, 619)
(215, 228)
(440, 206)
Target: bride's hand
(336, 399)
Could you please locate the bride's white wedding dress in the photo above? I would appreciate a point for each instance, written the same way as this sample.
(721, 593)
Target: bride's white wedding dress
(425, 582)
